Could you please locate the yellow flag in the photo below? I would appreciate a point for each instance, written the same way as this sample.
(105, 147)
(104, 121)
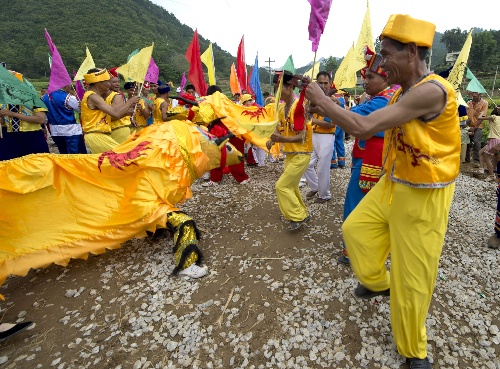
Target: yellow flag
(457, 73)
(365, 38)
(208, 59)
(87, 64)
(314, 69)
(345, 76)
(137, 66)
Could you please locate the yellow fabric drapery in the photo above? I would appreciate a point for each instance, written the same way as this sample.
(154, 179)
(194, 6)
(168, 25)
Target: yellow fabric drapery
(58, 207)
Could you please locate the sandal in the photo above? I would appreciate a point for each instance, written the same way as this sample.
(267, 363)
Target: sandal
(491, 178)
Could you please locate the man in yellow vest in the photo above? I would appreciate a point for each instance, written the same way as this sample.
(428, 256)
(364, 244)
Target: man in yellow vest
(96, 114)
(406, 212)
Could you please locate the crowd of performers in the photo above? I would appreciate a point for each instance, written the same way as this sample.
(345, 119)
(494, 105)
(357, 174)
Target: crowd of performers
(405, 158)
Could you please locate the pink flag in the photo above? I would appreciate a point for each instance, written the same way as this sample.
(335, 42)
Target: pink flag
(317, 20)
(59, 76)
(153, 72)
(80, 91)
(183, 81)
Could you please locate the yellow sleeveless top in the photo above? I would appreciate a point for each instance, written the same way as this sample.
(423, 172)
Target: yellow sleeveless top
(122, 122)
(139, 118)
(157, 118)
(93, 120)
(323, 130)
(425, 153)
(285, 128)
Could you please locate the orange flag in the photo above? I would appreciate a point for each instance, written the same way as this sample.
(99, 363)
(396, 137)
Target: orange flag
(233, 81)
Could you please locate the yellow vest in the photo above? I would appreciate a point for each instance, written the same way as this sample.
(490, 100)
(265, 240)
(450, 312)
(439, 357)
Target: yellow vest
(425, 153)
(285, 128)
(93, 120)
(122, 122)
(139, 118)
(323, 130)
(23, 125)
(157, 118)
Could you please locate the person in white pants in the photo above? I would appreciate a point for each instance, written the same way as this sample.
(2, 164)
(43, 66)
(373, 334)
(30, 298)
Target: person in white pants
(323, 142)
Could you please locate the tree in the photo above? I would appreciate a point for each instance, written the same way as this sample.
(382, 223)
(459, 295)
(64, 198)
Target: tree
(454, 39)
(482, 53)
(330, 64)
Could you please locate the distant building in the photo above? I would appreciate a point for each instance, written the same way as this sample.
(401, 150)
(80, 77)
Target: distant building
(451, 58)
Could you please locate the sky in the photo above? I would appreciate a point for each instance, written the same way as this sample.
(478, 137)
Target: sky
(276, 29)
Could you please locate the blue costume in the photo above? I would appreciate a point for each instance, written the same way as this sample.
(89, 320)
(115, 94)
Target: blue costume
(64, 129)
(338, 155)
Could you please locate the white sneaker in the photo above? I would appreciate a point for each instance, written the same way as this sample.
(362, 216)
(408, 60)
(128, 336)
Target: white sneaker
(194, 271)
(206, 176)
(209, 183)
(302, 184)
(245, 181)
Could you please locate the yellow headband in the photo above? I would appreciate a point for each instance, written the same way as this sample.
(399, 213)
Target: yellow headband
(405, 29)
(102, 75)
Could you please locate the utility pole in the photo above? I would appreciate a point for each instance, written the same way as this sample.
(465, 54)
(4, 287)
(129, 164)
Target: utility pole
(493, 88)
(269, 61)
(430, 60)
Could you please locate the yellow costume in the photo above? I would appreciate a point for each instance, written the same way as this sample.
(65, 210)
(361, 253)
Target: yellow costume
(98, 202)
(140, 119)
(297, 159)
(406, 214)
(96, 127)
(157, 117)
(120, 128)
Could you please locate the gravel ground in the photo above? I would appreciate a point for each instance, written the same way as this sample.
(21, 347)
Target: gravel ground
(271, 299)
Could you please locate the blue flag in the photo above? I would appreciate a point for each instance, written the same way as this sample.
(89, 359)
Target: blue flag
(255, 82)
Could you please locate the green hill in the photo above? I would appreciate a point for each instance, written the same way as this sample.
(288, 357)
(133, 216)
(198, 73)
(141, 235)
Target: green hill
(111, 29)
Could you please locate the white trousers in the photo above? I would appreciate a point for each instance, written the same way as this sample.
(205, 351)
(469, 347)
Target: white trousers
(319, 179)
(259, 155)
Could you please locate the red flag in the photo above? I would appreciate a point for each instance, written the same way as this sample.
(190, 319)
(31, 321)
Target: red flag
(241, 66)
(195, 74)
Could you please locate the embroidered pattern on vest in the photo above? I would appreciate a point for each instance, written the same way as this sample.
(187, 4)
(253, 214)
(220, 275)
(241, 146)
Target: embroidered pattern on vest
(414, 152)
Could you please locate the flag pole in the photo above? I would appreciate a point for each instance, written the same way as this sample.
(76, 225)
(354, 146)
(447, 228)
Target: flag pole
(314, 63)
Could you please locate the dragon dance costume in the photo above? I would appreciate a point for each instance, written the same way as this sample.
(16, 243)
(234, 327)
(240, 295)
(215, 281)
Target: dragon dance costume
(98, 202)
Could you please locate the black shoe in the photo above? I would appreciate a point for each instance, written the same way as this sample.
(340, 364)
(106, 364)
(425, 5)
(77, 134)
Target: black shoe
(15, 329)
(364, 293)
(415, 363)
(342, 259)
(296, 225)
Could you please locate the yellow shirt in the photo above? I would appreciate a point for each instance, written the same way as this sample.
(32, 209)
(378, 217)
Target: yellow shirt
(157, 118)
(285, 128)
(93, 120)
(323, 130)
(23, 125)
(122, 122)
(425, 153)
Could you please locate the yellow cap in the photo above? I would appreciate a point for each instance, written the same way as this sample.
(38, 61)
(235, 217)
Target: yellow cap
(405, 29)
(102, 75)
(245, 97)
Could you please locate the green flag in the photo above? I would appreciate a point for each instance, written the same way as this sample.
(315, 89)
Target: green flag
(15, 92)
(136, 51)
(289, 65)
(474, 84)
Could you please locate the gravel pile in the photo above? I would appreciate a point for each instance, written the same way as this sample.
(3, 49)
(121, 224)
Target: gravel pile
(271, 299)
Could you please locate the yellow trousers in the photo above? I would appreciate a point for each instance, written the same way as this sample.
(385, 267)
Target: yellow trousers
(120, 134)
(410, 223)
(287, 188)
(99, 142)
